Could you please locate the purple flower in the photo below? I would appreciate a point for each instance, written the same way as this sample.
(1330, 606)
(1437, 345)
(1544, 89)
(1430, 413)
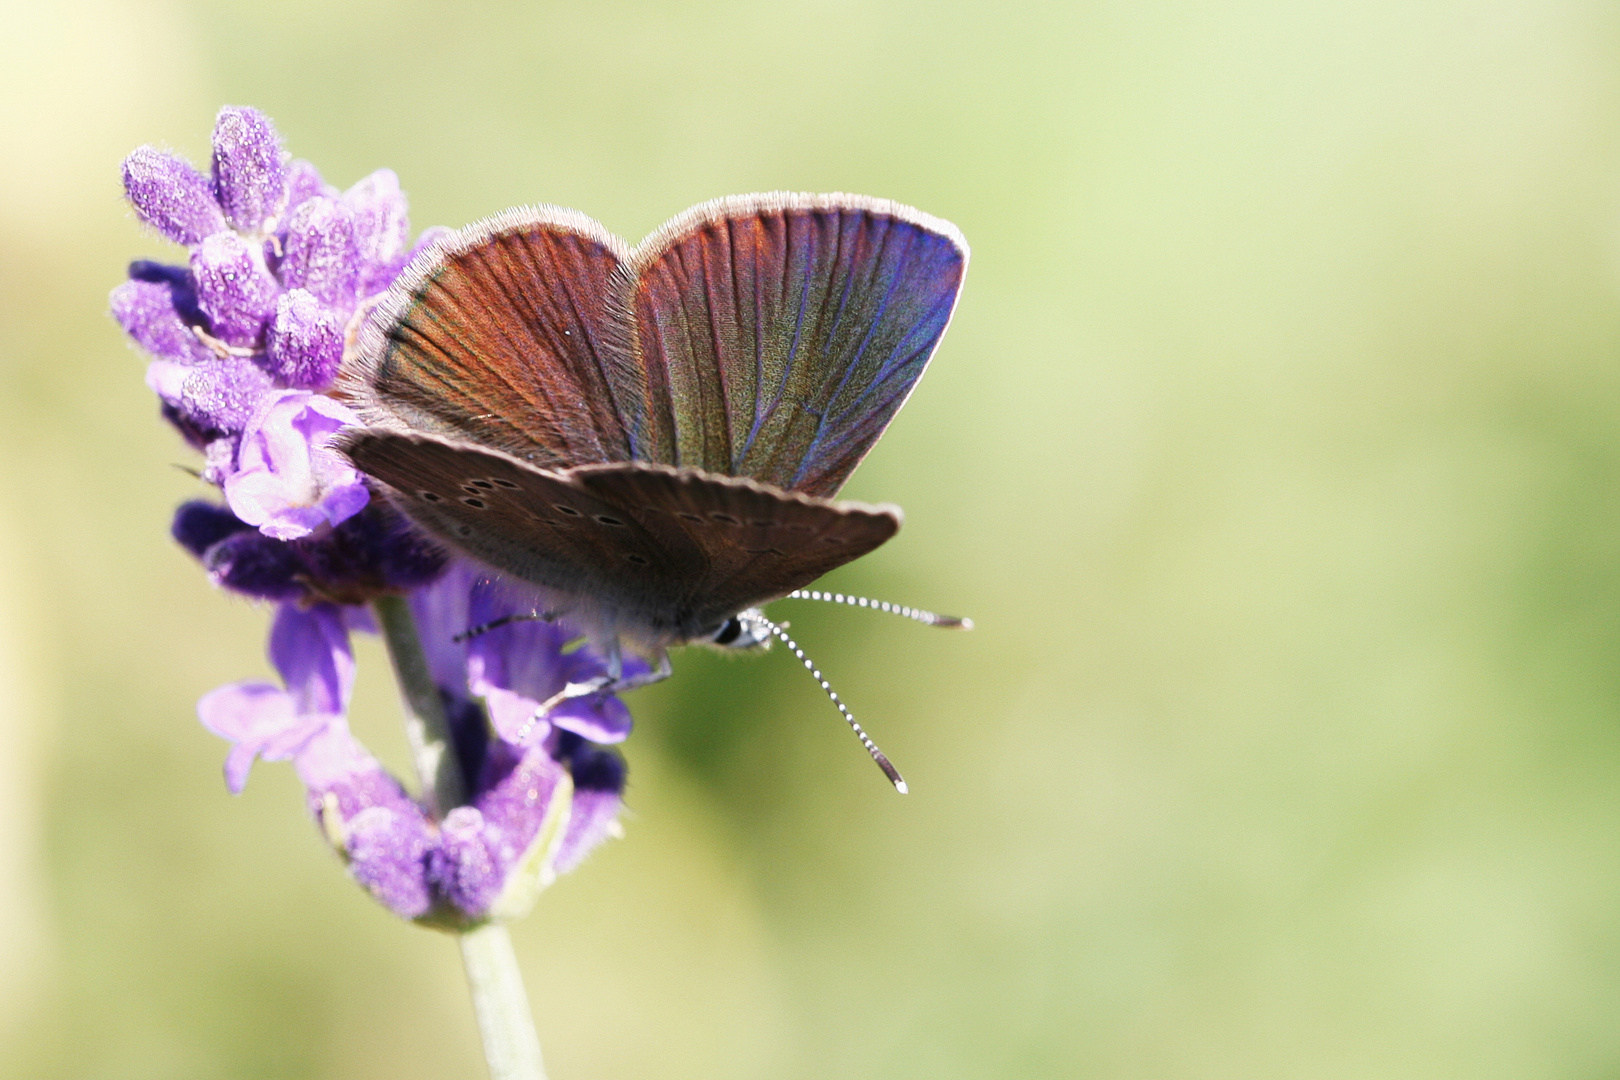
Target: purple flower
(371, 553)
(499, 852)
(288, 481)
(381, 228)
(533, 811)
(311, 650)
(245, 340)
(149, 312)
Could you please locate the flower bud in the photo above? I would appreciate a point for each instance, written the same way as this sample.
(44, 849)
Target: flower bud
(234, 287)
(250, 178)
(320, 252)
(171, 196)
(304, 344)
(381, 228)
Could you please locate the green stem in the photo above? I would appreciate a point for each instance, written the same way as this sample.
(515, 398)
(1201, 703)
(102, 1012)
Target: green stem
(505, 1022)
(426, 725)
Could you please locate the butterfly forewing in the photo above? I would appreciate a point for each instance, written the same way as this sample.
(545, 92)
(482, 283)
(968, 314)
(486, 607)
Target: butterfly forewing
(501, 336)
(780, 333)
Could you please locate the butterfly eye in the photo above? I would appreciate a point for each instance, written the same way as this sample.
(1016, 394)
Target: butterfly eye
(729, 632)
(430, 496)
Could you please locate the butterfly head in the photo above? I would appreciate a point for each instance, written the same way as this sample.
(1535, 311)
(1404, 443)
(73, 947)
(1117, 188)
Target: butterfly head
(744, 631)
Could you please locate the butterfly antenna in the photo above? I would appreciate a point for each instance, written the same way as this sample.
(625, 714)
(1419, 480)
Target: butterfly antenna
(878, 756)
(927, 618)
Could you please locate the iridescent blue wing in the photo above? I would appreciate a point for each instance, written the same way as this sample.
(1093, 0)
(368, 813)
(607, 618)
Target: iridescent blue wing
(501, 335)
(778, 334)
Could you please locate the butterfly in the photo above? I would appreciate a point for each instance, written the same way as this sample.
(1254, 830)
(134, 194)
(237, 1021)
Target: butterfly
(654, 435)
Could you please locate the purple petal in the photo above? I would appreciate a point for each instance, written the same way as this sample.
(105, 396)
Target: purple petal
(289, 481)
(261, 720)
(171, 196)
(234, 287)
(595, 818)
(441, 612)
(310, 648)
(524, 656)
(515, 717)
(146, 311)
(381, 228)
(242, 712)
(601, 718)
(320, 252)
(250, 178)
(305, 341)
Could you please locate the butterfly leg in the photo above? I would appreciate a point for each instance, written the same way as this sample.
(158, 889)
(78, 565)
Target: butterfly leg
(504, 620)
(612, 682)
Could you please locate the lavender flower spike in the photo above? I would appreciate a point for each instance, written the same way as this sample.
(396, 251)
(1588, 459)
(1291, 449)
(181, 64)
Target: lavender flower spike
(245, 340)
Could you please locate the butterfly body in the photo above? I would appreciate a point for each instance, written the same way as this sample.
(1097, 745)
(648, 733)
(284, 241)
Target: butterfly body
(652, 436)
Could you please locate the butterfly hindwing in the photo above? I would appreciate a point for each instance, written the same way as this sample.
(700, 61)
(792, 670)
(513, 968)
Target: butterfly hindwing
(754, 543)
(529, 522)
(667, 549)
(501, 335)
(778, 334)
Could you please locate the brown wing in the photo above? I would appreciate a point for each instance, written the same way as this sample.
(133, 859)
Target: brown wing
(670, 551)
(753, 542)
(500, 336)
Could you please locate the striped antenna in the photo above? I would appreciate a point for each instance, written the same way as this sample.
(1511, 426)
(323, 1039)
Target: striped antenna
(928, 618)
(878, 756)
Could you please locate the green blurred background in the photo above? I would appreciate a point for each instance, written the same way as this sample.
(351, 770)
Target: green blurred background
(1275, 448)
